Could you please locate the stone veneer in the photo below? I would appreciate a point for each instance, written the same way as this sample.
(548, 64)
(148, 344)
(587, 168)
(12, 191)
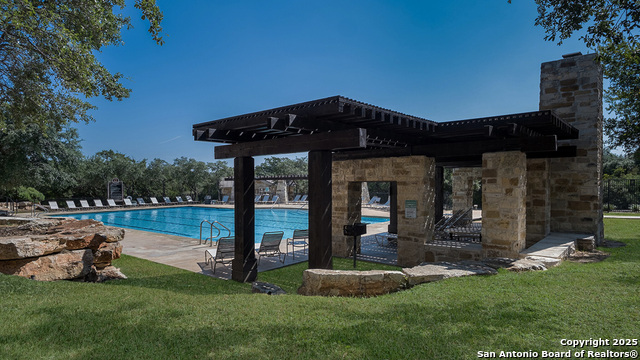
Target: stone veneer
(572, 87)
(538, 201)
(504, 188)
(414, 176)
(462, 188)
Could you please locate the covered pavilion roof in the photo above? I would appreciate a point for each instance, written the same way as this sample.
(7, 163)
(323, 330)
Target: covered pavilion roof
(354, 129)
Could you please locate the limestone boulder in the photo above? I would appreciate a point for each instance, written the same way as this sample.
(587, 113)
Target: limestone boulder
(429, 272)
(105, 274)
(66, 265)
(20, 247)
(106, 253)
(351, 283)
(517, 265)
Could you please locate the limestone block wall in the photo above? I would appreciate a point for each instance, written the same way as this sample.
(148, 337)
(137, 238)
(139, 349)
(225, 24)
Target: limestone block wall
(538, 201)
(572, 87)
(415, 180)
(504, 189)
(462, 187)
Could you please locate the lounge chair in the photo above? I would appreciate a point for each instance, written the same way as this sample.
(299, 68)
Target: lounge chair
(98, 203)
(270, 245)
(385, 206)
(275, 199)
(303, 199)
(190, 200)
(296, 199)
(223, 253)
(154, 201)
(141, 201)
(374, 200)
(225, 199)
(168, 201)
(265, 199)
(179, 199)
(85, 204)
(112, 203)
(127, 202)
(300, 238)
(257, 198)
(71, 205)
(207, 199)
(53, 206)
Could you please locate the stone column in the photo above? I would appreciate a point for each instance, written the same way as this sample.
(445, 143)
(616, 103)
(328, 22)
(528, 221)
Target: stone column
(538, 201)
(572, 87)
(462, 188)
(504, 190)
(281, 191)
(416, 181)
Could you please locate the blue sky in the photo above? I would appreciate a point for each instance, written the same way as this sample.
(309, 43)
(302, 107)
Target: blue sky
(440, 60)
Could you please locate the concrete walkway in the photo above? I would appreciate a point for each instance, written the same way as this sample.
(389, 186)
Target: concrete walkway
(555, 245)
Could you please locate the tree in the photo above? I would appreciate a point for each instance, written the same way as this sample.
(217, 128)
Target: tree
(45, 160)
(47, 61)
(612, 29)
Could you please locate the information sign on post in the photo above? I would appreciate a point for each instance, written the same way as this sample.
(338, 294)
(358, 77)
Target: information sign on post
(115, 190)
(410, 209)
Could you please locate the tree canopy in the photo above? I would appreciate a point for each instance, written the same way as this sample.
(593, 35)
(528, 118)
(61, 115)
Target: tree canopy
(612, 28)
(48, 66)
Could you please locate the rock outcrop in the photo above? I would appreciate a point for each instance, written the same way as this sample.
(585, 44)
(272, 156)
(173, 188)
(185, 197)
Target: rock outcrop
(351, 283)
(61, 249)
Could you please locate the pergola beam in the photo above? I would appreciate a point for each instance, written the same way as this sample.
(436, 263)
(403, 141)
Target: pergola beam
(335, 140)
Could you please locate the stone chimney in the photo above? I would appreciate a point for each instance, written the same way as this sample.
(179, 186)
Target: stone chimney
(572, 87)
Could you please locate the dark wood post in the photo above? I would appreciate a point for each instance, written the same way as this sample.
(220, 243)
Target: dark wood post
(439, 190)
(393, 208)
(244, 267)
(320, 251)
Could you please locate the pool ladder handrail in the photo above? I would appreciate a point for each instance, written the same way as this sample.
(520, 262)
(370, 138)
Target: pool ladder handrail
(212, 224)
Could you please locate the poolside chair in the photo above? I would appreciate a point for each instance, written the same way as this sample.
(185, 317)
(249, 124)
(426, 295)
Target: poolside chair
(225, 199)
(296, 199)
(141, 202)
(223, 253)
(384, 206)
(85, 204)
(270, 245)
(300, 238)
(112, 203)
(98, 203)
(167, 200)
(53, 205)
(207, 199)
(71, 205)
(179, 199)
(257, 199)
(190, 200)
(275, 199)
(127, 202)
(373, 201)
(265, 199)
(303, 198)
(154, 201)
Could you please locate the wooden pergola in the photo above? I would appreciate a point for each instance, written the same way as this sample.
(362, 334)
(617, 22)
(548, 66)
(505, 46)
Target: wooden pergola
(338, 128)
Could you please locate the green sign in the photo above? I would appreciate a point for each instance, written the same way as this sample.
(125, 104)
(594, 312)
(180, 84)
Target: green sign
(410, 209)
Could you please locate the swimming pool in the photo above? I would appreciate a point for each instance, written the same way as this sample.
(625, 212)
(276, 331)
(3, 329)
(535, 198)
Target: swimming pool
(185, 221)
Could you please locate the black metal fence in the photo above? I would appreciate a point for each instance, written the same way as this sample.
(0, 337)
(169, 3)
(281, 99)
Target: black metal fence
(621, 195)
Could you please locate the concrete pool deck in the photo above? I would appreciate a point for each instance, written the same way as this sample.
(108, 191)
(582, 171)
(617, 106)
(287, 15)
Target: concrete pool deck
(186, 253)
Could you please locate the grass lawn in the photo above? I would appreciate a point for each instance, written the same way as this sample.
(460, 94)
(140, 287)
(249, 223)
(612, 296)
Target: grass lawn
(162, 312)
(614, 213)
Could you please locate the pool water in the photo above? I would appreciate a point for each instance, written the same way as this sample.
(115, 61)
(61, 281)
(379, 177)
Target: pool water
(185, 221)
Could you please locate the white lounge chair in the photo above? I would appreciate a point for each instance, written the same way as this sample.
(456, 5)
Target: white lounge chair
(179, 199)
(85, 204)
(141, 201)
(127, 202)
(154, 201)
(53, 206)
(112, 203)
(98, 203)
(71, 205)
